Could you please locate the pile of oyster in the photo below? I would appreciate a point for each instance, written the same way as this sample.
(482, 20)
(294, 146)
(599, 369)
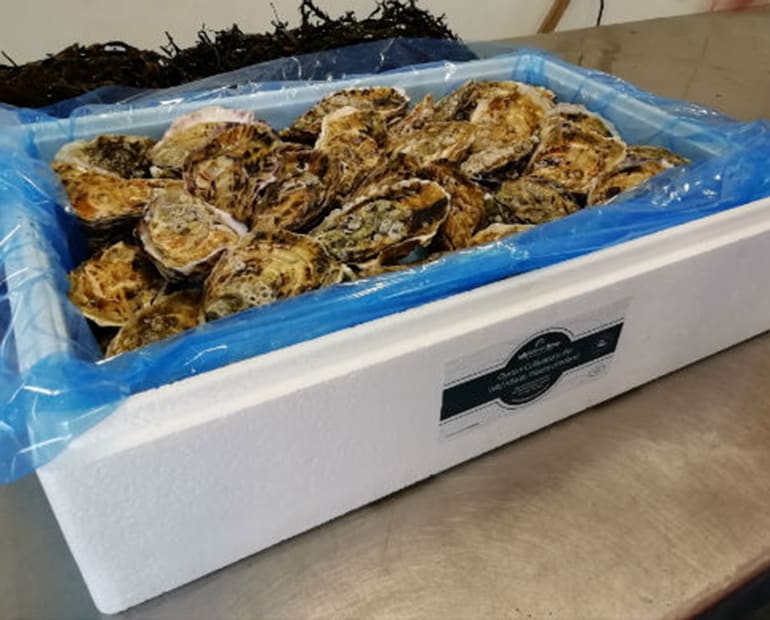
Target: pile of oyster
(225, 213)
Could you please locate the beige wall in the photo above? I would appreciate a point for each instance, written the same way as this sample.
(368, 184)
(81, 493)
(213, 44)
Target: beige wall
(31, 28)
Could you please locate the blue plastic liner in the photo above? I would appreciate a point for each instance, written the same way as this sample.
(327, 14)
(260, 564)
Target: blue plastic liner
(53, 384)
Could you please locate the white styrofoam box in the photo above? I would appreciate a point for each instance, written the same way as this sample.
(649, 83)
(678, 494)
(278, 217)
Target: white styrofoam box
(188, 478)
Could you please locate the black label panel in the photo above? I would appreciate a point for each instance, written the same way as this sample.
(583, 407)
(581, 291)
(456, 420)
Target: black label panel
(534, 368)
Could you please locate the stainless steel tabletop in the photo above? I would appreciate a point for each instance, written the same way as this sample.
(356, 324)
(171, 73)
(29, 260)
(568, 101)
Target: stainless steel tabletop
(654, 504)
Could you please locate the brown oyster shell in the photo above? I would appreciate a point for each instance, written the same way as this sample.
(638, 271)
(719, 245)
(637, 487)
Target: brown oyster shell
(385, 225)
(185, 235)
(265, 267)
(391, 102)
(530, 200)
(232, 169)
(119, 155)
(114, 284)
(449, 141)
(497, 231)
(167, 316)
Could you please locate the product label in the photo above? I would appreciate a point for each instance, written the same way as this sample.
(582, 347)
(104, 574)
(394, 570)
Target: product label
(505, 377)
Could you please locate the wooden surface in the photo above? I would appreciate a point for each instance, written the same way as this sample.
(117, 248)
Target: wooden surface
(655, 504)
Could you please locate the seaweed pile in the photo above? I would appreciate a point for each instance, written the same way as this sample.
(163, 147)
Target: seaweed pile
(78, 69)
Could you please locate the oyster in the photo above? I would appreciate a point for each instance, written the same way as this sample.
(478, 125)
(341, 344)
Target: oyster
(122, 156)
(641, 163)
(530, 200)
(105, 204)
(385, 225)
(184, 235)
(265, 267)
(114, 284)
(416, 118)
(575, 149)
(497, 231)
(391, 102)
(191, 132)
(295, 200)
(348, 123)
(232, 169)
(167, 316)
(436, 141)
(467, 209)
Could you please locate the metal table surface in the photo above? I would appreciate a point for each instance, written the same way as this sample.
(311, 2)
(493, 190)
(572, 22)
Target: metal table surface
(654, 504)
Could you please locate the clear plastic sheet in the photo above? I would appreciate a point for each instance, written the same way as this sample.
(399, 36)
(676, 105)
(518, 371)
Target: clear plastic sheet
(53, 383)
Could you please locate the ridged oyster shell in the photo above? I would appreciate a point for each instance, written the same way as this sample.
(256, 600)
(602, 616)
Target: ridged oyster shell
(191, 132)
(497, 231)
(167, 316)
(232, 169)
(640, 164)
(114, 284)
(184, 235)
(122, 156)
(530, 200)
(265, 267)
(386, 224)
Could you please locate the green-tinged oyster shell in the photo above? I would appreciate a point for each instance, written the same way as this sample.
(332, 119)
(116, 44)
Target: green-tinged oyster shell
(529, 200)
(122, 156)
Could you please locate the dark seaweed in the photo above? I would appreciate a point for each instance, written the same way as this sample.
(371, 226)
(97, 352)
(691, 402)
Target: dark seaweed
(78, 69)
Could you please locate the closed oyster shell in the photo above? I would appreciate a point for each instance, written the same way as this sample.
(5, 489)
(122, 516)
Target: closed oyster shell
(497, 231)
(420, 115)
(385, 225)
(232, 169)
(191, 132)
(575, 153)
(265, 267)
(167, 316)
(184, 235)
(114, 284)
(348, 122)
(391, 102)
(436, 141)
(640, 164)
(295, 200)
(468, 202)
(491, 101)
(530, 200)
(122, 156)
(574, 116)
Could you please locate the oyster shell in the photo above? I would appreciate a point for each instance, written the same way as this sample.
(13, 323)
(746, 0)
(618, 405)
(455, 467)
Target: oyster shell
(114, 284)
(105, 204)
(530, 200)
(391, 102)
(265, 267)
(167, 316)
(347, 123)
(122, 156)
(184, 235)
(416, 118)
(436, 141)
(295, 200)
(575, 153)
(467, 209)
(191, 132)
(641, 163)
(385, 225)
(497, 231)
(490, 101)
(232, 169)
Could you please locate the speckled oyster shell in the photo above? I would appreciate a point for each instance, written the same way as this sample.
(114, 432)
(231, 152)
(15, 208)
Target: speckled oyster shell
(516, 102)
(449, 141)
(296, 199)
(575, 116)
(467, 209)
(232, 169)
(573, 153)
(347, 123)
(391, 102)
(640, 164)
(114, 284)
(420, 115)
(105, 204)
(497, 231)
(122, 156)
(167, 316)
(191, 132)
(265, 267)
(529, 200)
(386, 225)
(184, 235)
